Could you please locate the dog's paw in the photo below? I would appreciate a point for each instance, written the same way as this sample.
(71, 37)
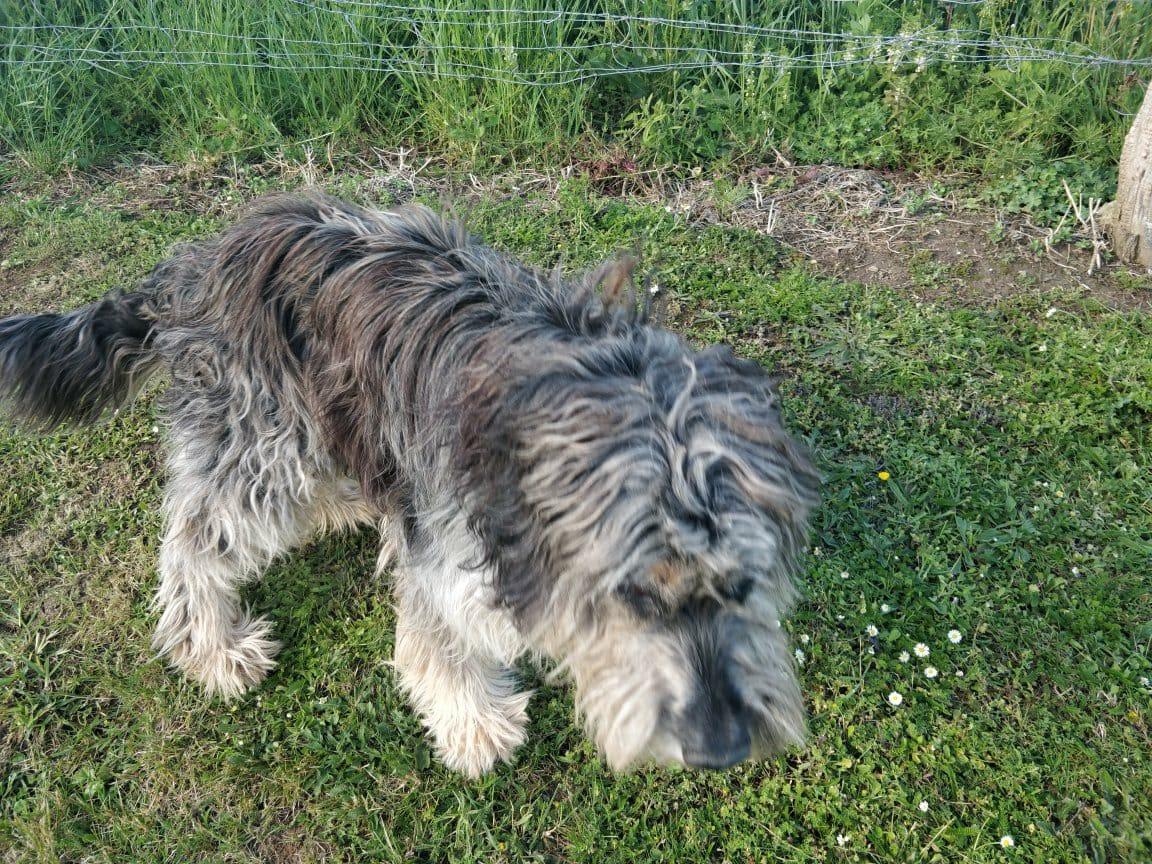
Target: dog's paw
(472, 744)
(229, 670)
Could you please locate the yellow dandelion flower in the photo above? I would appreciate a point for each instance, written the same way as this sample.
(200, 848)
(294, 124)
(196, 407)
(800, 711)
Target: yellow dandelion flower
(883, 475)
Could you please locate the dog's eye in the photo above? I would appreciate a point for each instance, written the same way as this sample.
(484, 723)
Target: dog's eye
(738, 589)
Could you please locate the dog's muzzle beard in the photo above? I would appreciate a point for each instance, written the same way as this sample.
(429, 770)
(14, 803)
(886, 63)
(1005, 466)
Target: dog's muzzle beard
(713, 731)
(677, 696)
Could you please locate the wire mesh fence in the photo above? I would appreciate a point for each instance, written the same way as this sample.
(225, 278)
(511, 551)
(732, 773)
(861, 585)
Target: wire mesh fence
(508, 44)
(680, 80)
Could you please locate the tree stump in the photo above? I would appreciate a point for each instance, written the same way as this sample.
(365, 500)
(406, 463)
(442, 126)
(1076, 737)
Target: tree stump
(1128, 219)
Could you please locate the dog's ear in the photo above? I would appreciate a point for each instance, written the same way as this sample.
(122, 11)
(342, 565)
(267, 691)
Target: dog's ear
(771, 468)
(511, 543)
(615, 280)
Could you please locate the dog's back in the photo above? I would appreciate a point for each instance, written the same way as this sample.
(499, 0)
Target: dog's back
(292, 292)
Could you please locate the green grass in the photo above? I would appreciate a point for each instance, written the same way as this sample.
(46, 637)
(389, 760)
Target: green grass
(1017, 512)
(278, 86)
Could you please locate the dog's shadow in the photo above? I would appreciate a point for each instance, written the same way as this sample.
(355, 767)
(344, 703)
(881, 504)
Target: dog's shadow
(335, 619)
(325, 581)
(329, 584)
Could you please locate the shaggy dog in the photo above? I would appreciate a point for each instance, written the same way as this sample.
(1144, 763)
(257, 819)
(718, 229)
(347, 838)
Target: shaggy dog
(551, 474)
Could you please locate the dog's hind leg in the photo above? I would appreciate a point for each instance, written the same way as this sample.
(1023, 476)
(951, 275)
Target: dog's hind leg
(226, 521)
(211, 547)
(454, 655)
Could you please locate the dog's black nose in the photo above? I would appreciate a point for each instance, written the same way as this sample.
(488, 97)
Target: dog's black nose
(715, 732)
(720, 756)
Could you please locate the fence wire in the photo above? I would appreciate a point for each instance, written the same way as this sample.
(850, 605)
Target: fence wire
(558, 55)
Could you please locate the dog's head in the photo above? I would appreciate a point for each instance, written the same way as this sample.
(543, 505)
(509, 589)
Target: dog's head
(643, 515)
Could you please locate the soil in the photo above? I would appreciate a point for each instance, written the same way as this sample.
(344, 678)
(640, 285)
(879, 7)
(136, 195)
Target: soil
(902, 232)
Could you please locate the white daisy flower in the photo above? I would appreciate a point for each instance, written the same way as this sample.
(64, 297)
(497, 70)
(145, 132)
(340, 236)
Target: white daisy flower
(921, 650)
(959, 673)
(904, 657)
(804, 638)
(842, 839)
(885, 608)
(895, 699)
(930, 672)
(954, 636)
(799, 657)
(1007, 841)
(923, 805)
(871, 630)
(843, 574)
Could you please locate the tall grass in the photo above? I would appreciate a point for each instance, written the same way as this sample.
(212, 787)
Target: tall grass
(232, 75)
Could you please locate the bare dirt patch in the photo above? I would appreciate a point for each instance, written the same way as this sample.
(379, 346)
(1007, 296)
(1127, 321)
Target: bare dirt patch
(908, 233)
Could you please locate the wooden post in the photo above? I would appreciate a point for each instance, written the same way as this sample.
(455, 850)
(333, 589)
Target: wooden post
(1128, 219)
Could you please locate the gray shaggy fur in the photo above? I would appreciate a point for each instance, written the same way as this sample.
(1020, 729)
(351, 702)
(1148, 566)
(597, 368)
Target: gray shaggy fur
(552, 475)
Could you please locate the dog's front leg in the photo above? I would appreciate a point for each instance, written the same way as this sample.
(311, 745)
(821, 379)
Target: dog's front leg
(454, 654)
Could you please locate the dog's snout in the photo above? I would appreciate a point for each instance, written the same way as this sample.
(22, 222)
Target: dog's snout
(715, 732)
(721, 751)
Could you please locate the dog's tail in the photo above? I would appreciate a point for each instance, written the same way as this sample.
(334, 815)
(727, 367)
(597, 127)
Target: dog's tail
(75, 366)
